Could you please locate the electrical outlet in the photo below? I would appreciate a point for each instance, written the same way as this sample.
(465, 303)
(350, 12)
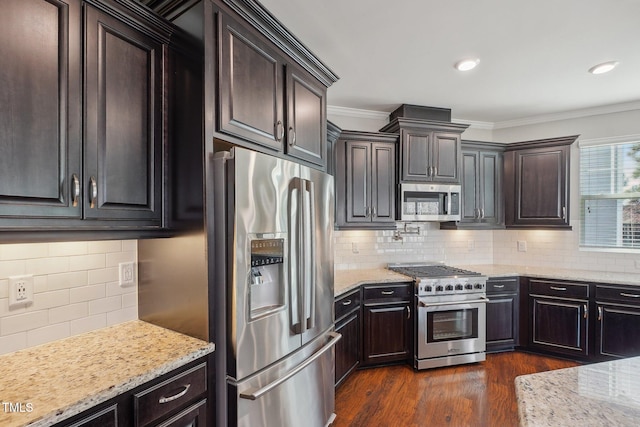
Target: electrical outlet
(127, 273)
(522, 246)
(354, 248)
(20, 290)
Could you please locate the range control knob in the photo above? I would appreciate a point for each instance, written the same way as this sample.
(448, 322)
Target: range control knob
(459, 287)
(449, 287)
(428, 288)
(479, 286)
(468, 286)
(439, 288)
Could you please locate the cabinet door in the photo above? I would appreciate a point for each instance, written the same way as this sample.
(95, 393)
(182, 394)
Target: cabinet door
(40, 108)
(559, 326)
(193, 416)
(618, 331)
(445, 157)
(250, 85)
(489, 190)
(306, 117)
(541, 187)
(386, 336)
(502, 325)
(348, 348)
(358, 168)
(383, 183)
(470, 186)
(415, 155)
(123, 121)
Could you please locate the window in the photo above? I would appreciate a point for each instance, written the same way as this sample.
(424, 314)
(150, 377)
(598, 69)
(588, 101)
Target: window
(610, 194)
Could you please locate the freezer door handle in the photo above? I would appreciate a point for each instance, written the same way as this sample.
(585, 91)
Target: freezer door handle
(254, 394)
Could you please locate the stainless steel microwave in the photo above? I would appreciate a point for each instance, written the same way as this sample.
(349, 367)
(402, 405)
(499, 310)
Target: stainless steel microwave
(429, 202)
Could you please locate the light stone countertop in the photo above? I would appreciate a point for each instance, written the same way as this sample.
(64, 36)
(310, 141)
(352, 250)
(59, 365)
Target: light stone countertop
(601, 394)
(346, 280)
(498, 270)
(63, 378)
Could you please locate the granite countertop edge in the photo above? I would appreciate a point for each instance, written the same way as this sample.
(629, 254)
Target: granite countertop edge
(107, 389)
(91, 401)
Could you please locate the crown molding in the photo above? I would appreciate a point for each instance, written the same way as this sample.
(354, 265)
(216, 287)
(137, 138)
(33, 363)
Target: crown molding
(568, 115)
(533, 120)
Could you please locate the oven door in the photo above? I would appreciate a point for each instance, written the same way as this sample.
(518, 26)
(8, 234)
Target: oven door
(451, 325)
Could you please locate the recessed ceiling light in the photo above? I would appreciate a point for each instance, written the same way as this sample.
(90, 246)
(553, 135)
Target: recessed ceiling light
(605, 67)
(466, 64)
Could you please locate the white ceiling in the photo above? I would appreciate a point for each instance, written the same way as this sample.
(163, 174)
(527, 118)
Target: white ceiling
(534, 55)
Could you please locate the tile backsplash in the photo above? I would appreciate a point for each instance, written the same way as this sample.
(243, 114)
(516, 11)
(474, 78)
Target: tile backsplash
(76, 289)
(364, 249)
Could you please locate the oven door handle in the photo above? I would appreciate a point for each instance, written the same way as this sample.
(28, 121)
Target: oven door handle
(440, 304)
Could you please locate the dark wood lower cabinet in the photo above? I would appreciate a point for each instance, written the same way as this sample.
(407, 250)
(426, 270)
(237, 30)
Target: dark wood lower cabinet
(387, 321)
(349, 325)
(386, 333)
(617, 331)
(560, 326)
(502, 313)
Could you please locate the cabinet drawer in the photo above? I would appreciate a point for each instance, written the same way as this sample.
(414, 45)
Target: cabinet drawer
(346, 304)
(160, 400)
(619, 294)
(507, 284)
(558, 289)
(388, 292)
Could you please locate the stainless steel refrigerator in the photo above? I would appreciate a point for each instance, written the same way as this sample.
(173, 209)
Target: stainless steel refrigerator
(273, 222)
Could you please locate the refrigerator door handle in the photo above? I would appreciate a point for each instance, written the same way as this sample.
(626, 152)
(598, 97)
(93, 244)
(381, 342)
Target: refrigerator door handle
(295, 272)
(310, 258)
(254, 394)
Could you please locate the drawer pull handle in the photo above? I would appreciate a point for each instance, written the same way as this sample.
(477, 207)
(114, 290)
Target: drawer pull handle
(388, 292)
(586, 311)
(624, 294)
(175, 396)
(498, 286)
(347, 302)
(408, 312)
(557, 288)
(599, 313)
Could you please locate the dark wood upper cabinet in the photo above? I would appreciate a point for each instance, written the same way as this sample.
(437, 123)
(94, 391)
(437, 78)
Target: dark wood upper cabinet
(40, 113)
(82, 123)
(365, 180)
(430, 151)
(306, 117)
(536, 183)
(265, 98)
(482, 204)
(123, 121)
(251, 86)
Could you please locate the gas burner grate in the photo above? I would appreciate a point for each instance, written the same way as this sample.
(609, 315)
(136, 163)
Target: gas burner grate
(437, 270)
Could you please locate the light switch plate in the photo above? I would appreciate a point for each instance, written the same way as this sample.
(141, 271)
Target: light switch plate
(522, 246)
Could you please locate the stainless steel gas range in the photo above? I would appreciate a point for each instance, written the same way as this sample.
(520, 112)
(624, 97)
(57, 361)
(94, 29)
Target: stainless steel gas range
(451, 321)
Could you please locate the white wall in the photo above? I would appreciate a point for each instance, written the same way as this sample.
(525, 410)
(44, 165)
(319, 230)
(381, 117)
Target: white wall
(75, 290)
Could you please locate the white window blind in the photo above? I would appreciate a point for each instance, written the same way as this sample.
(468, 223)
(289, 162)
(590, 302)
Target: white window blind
(610, 195)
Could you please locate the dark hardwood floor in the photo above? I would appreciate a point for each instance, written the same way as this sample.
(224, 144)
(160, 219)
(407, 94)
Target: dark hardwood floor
(479, 394)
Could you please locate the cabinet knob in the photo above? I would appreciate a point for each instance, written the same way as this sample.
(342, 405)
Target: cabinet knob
(75, 190)
(94, 192)
(279, 130)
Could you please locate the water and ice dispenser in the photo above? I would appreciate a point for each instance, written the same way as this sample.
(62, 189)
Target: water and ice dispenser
(267, 278)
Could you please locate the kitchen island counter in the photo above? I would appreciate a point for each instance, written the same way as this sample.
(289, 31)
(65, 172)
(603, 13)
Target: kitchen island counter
(346, 280)
(57, 380)
(601, 394)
